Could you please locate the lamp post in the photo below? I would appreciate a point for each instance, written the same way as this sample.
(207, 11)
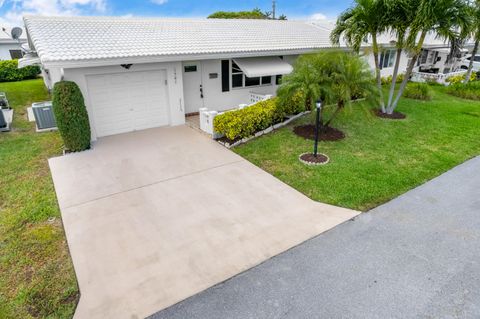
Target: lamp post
(318, 105)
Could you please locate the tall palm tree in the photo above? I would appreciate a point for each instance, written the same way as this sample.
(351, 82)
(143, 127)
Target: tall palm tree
(335, 77)
(356, 24)
(475, 33)
(399, 16)
(444, 18)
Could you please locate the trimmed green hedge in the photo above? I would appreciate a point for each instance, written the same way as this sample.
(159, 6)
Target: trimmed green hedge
(71, 116)
(246, 122)
(470, 91)
(418, 91)
(10, 72)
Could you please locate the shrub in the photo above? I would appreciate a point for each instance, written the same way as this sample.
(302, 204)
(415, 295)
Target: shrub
(9, 71)
(291, 105)
(246, 122)
(418, 91)
(388, 79)
(470, 91)
(71, 116)
(460, 78)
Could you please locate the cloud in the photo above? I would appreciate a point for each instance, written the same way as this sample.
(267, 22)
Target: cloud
(159, 2)
(318, 16)
(15, 9)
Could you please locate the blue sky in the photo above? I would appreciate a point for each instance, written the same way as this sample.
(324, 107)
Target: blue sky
(12, 10)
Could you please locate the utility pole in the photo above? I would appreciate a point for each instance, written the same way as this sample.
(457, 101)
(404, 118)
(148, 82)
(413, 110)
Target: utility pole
(273, 9)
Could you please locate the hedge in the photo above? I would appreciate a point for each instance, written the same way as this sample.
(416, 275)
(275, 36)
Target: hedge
(470, 91)
(71, 116)
(10, 72)
(460, 78)
(418, 91)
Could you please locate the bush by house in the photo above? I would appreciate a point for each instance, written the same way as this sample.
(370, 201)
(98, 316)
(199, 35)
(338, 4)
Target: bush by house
(9, 71)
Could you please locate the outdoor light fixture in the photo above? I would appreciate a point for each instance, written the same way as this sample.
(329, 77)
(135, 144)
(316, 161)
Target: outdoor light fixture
(318, 105)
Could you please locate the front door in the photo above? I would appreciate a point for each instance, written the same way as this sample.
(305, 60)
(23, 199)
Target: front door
(192, 86)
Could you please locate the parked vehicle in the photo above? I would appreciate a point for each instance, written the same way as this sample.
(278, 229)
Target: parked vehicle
(466, 62)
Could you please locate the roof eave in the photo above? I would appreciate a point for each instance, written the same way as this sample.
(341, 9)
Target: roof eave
(171, 58)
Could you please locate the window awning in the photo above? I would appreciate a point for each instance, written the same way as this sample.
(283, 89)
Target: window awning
(263, 66)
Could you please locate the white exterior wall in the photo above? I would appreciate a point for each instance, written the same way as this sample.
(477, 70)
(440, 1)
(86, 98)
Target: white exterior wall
(174, 78)
(5, 50)
(215, 99)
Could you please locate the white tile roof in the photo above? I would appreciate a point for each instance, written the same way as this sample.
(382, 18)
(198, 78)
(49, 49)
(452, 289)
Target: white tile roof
(58, 39)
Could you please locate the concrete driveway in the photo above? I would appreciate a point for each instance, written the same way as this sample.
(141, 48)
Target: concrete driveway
(417, 256)
(156, 216)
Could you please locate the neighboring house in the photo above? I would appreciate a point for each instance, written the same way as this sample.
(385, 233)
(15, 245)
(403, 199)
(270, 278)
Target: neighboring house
(10, 48)
(141, 73)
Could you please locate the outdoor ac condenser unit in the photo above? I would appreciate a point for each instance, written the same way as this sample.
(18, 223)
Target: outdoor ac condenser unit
(44, 117)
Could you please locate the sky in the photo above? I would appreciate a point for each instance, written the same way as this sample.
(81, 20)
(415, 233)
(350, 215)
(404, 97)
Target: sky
(11, 11)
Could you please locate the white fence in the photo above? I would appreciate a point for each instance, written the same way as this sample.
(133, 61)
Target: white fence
(207, 116)
(436, 77)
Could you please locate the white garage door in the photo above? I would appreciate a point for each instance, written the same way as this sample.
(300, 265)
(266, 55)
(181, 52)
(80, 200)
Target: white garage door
(128, 102)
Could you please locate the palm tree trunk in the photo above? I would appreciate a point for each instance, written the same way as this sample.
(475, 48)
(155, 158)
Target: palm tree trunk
(472, 58)
(394, 77)
(377, 71)
(340, 106)
(411, 65)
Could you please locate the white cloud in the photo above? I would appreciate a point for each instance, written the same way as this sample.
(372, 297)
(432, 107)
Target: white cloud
(159, 2)
(318, 16)
(19, 8)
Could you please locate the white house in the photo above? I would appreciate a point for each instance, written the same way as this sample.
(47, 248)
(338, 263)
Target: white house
(141, 73)
(10, 48)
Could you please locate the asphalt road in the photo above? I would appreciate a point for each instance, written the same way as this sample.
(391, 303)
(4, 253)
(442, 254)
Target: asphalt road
(417, 256)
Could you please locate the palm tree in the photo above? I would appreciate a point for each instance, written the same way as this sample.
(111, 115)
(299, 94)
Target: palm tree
(398, 18)
(442, 17)
(335, 77)
(475, 33)
(356, 24)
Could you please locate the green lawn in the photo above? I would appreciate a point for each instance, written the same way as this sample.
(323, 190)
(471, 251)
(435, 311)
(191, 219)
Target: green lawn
(36, 274)
(379, 159)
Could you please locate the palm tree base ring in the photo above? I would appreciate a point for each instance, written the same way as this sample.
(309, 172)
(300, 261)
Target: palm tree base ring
(310, 159)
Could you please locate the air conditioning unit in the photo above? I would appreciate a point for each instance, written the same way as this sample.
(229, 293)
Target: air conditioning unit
(44, 117)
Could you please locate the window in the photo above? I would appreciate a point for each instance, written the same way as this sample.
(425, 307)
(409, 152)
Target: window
(387, 58)
(16, 54)
(190, 68)
(240, 80)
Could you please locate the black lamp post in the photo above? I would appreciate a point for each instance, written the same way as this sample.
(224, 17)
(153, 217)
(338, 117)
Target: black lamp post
(318, 105)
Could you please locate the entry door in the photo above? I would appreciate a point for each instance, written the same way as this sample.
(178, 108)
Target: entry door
(193, 86)
(129, 101)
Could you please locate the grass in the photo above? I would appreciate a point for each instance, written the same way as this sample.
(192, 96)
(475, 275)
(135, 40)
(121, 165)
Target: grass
(36, 274)
(379, 159)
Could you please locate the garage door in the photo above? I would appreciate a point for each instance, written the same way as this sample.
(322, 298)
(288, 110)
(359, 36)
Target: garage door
(128, 102)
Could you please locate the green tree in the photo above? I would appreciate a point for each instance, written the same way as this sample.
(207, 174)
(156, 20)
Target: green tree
(474, 32)
(356, 24)
(254, 14)
(399, 16)
(336, 77)
(445, 18)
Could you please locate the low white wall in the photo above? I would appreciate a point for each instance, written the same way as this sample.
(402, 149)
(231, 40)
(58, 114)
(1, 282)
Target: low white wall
(175, 85)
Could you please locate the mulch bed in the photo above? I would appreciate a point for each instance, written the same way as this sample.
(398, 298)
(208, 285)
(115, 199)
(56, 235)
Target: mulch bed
(226, 140)
(394, 116)
(308, 132)
(310, 159)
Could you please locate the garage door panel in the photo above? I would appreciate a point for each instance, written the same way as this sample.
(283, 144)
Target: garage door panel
(128, 101)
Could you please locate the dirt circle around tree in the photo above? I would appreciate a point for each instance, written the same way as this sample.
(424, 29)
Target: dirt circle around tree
(308, 132)
(310, 159)
(394, 116)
